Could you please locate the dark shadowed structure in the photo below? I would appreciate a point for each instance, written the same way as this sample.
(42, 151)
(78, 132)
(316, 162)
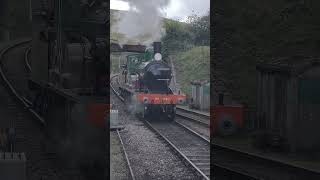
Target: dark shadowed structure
(288, 101)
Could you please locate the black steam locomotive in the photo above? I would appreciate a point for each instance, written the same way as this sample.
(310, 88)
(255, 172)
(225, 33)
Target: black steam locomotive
(145, 84)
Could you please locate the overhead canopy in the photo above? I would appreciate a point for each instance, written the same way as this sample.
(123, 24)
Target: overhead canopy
(290, 65)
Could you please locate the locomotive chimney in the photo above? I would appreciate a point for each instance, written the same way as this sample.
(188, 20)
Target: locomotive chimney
(157, 47)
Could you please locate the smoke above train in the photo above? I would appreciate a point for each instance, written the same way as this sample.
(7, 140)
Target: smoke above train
(142, 23)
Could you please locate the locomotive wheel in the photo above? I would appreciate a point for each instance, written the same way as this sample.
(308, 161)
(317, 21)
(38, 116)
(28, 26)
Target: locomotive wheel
(227, 126)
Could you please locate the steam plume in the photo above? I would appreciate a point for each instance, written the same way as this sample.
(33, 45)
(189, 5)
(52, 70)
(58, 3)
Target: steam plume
(143, 22)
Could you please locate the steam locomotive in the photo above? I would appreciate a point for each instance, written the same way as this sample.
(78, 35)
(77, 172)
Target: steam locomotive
(68, 84)
(145, 85)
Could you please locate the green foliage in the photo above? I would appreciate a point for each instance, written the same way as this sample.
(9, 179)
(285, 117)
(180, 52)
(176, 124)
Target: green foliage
(177, 37)
(200, 27)
(188, 46)
(246, 32)
(184, 36)
(191, 65)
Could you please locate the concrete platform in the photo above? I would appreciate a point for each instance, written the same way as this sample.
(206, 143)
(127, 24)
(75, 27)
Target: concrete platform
(13, 166)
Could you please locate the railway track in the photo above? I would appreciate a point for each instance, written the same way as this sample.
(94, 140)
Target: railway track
(30, 137)
(199, 118)
(196, 155)
(132, 177)
(242, 161)
(179, 137)
(258, 166)
(197, 122)
(8, 81)
(194, 150)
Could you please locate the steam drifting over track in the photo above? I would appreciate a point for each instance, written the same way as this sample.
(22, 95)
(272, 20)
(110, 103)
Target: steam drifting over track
(198, 157)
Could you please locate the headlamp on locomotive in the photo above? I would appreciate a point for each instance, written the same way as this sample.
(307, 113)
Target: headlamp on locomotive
(146, 82)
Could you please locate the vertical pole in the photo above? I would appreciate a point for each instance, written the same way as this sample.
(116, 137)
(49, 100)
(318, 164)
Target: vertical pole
(30, 10)
(59, 36)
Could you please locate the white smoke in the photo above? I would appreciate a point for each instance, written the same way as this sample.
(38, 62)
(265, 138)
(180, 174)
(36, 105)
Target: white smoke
(143, 23)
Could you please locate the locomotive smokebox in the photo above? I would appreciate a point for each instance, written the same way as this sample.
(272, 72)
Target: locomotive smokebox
(157, 47)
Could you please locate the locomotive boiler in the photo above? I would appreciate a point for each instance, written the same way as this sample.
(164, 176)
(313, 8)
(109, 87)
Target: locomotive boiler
(155, 77)
(145, 85)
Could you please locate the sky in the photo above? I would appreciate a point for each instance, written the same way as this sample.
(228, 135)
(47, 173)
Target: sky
(177, 9)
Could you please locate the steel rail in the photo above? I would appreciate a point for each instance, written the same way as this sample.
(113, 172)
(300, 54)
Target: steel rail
(26, 58)
(257, 157)
(180, 153)
(226, 171)
(192, 131)
(126, 156)
(114, 90)
(246, 154)
(9, 85)
(190, 118)
(193, 112)
(202, 175)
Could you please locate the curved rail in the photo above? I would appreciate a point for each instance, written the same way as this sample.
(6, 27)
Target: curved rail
(229, 151)
(113, 88)
(26, 58)
(8, 84)
(122, 144)
(239, 153)
(126, 156)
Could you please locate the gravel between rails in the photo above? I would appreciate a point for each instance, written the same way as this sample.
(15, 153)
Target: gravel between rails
(150, 158)
(118, 166)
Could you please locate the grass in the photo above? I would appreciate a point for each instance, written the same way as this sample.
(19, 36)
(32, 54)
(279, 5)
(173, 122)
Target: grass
(191, 65)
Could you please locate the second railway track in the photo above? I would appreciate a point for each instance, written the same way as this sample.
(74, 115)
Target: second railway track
(199, 118)
(30, 136)
(195, 122)
(193, 148)
(129, 172)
